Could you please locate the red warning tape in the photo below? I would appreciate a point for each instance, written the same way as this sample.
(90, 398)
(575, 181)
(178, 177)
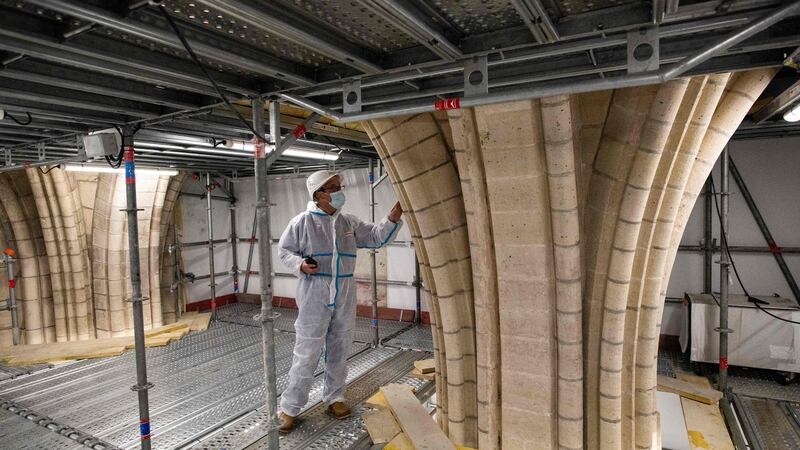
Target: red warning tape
(300, 131)
(448, 103)
(129, 154)
(723, 363)
(774, 249)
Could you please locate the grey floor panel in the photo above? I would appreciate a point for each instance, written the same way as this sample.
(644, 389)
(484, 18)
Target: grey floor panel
(201, 381)
(417, 337)
(19, 433)
(771, 424)
(251, 427)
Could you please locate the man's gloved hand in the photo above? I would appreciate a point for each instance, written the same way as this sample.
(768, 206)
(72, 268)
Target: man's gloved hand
(308, 269)
(395, 213)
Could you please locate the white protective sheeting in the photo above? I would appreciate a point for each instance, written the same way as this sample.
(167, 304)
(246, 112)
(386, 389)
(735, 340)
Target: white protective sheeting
(758, 340)
(673, 424)
(289, 195)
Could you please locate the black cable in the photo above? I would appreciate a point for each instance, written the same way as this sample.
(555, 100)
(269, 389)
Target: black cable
(222, 96)
(724, 236)
(45, 172)
(30, 119)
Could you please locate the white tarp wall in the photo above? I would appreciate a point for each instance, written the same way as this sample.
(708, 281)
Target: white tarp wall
(289, 197)
(769, 168)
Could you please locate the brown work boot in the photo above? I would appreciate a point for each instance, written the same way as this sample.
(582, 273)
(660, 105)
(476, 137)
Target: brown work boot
(287, 423)
(339, 410)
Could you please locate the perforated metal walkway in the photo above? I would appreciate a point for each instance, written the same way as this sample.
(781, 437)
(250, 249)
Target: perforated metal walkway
(207, 386)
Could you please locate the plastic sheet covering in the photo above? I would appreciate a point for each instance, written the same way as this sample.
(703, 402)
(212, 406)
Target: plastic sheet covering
(758, 340)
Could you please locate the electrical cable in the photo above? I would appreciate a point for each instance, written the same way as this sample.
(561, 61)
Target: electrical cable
(30, 119)
(197, 62)
(724, 236)
(45, 172)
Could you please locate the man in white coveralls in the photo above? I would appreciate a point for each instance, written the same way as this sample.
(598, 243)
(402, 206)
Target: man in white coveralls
(319, 246)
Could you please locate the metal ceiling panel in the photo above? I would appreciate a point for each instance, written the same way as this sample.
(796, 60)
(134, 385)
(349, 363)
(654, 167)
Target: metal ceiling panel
(478, 16)
(220, 22)
(356, 22)
(572, 7)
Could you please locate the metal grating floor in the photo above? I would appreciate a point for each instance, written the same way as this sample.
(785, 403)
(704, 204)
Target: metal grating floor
(207, 386)
(417, 337)
(19, 433)
(770, 424)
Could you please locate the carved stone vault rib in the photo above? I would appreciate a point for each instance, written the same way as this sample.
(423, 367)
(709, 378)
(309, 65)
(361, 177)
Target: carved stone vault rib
(546, 230)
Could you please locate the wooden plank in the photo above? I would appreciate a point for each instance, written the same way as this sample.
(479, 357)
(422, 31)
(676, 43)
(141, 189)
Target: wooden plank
(166, 329)
(424, 376)
(688, 390)
(381, 426)
(705, 426)
(400, 442)
(414, 420)
(425, 366)
(201, 322)
(44, 359)
(378, 401)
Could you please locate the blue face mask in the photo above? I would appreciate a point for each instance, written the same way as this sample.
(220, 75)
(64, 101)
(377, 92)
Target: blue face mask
(337, 200)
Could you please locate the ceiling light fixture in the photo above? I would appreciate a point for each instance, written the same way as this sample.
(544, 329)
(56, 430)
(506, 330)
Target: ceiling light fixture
(793, 115)
(92, 168)
(294, 152)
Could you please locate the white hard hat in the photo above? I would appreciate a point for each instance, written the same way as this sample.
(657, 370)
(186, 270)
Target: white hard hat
(316, 180)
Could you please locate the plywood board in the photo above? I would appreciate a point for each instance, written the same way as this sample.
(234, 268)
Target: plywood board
(673, 424)
(102, 352)
(689, 390)
(381, 426)
(379, 401)
(400, 442)
(705, 426)
(424, 376)
(414, 420)
(200, 323)
(425, 366)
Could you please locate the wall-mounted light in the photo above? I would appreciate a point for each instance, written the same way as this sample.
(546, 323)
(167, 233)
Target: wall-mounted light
(793, 115)
(92, 168)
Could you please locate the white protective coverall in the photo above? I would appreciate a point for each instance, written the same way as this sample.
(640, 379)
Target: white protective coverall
(327, 299)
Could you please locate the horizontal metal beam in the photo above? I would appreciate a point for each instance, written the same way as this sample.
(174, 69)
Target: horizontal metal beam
(531, 53)
(779, 104)
(94, 83)
(265, 64)
(35, 107)
(32, 36)
(26, 91)
(271, 19)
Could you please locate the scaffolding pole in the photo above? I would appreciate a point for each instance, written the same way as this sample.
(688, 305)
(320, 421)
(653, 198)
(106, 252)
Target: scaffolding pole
(418, 290)
(373, 254)
(265, 256)
(234, 241)
(724, 265)
(708, 244)
(142, 385)
(12, 298)
(212, 284)
(250, 254)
